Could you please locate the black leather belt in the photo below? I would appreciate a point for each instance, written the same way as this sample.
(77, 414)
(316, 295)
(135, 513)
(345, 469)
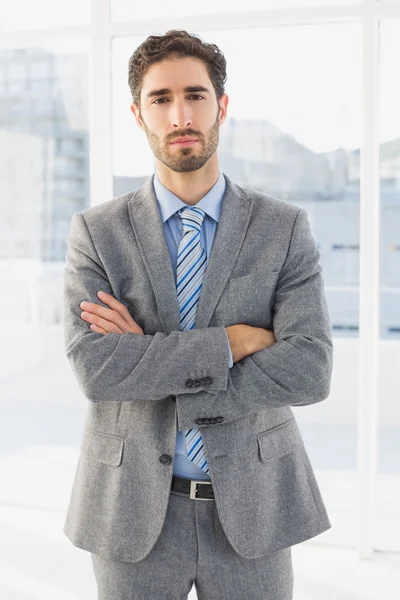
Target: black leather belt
(194, 488)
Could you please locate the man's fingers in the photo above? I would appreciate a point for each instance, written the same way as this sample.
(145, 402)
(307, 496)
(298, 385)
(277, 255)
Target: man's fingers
(115, 314)
(114, 304)
(121, 309)
(118, 314)
(98, 329)
(106, 324)
(94, 312)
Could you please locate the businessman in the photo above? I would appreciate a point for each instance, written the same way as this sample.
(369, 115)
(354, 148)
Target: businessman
(195, 318)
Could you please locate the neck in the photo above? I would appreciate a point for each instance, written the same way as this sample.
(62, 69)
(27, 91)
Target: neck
(189, 187)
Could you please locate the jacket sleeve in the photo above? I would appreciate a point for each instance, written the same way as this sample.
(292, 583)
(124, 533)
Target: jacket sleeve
(296, 370)
(131, 366)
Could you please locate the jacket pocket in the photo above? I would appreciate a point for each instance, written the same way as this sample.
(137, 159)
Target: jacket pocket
(102, 447)
(279, 441)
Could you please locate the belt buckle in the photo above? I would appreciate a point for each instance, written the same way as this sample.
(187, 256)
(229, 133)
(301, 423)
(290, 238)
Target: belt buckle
(193, 489)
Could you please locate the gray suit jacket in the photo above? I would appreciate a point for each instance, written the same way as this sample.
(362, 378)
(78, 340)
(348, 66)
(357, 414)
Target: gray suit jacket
(264, 271)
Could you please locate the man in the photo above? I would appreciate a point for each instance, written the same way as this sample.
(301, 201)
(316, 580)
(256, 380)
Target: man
(192, 467)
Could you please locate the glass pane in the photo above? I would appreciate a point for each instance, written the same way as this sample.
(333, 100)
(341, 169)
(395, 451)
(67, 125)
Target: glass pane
(24, 14)
(293, 131)
(123, 10)
(388, 481)
(44, 179)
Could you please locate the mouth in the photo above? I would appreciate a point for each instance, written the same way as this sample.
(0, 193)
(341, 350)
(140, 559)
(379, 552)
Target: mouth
(183, 143)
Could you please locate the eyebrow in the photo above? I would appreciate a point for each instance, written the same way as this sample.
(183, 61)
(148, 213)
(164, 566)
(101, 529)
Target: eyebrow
(193, 88)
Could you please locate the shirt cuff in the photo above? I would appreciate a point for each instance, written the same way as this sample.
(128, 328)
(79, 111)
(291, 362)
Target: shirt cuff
(230, 351)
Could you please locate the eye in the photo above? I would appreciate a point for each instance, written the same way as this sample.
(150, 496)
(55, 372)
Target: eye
(191, 96)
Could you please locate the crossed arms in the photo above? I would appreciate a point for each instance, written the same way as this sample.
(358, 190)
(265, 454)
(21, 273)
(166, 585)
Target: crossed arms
(294, 369)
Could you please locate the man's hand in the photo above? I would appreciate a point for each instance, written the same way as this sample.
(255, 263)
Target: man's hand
(116, 319)
(245, 340)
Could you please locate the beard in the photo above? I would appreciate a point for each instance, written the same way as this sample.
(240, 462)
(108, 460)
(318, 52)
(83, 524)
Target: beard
(185, 159)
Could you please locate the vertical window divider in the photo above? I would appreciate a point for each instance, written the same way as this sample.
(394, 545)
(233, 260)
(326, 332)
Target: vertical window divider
(369, 283)
(100, 113)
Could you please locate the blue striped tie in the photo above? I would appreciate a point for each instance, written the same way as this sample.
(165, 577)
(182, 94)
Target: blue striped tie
(190, 268)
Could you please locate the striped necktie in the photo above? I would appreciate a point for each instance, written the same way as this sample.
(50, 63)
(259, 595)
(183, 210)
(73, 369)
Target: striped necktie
(191, 265)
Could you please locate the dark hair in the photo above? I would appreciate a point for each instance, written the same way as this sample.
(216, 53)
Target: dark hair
(176, 43)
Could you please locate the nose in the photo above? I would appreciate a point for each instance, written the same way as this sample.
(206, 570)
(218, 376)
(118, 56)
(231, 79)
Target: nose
(180, 115)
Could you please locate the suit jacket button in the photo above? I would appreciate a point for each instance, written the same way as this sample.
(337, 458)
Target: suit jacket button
(203, 380)
(206, 420)
(212, 421)
(208, 379)
(219, 419)
(189, 383)
(199, 421)
(165, 459)
(196, 383)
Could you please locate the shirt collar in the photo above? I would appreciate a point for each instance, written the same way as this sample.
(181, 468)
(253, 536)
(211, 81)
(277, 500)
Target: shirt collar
(169, 203)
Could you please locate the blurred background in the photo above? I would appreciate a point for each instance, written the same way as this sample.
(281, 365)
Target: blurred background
(313, 119)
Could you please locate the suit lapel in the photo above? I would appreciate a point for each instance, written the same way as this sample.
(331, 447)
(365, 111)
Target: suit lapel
(147, 225)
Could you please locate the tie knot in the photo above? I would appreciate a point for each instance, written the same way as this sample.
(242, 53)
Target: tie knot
(192, 218)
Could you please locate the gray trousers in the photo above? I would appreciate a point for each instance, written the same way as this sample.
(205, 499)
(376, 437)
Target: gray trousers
(193, 548)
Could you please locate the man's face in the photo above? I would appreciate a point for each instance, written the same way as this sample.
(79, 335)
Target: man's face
(166, 116)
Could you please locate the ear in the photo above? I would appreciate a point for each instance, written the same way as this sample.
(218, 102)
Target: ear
(136, 113)
(223, 104)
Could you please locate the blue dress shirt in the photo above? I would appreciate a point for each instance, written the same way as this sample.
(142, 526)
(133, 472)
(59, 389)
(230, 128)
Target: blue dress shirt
(168, 204)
